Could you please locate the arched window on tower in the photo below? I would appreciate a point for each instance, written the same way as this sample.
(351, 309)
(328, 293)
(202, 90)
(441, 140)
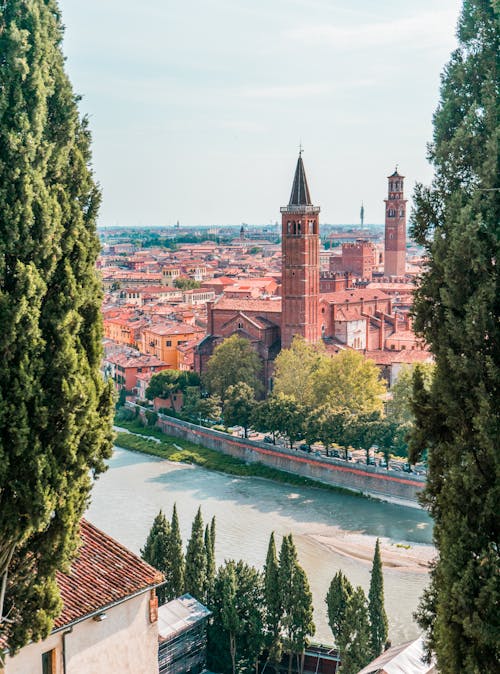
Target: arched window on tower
(289, 227)
(401, 212)
(298, 227)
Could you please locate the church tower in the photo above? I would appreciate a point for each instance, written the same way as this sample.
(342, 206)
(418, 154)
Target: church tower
(300, 263)
(395, 227)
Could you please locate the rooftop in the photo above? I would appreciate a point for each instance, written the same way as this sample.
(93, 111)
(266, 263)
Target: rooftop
(178, 615)
(103, 573)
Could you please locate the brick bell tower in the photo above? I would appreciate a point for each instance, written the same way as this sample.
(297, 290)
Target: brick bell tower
(300, 263)
(395, 227)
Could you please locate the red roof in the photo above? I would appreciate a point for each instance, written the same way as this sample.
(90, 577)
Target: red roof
(354, 295)
(268, 305)
(104, 573)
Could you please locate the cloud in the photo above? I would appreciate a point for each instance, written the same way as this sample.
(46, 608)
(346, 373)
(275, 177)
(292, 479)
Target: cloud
(421, 30)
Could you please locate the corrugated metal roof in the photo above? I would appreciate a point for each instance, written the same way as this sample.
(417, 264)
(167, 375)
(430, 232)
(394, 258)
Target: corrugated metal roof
(178, 615)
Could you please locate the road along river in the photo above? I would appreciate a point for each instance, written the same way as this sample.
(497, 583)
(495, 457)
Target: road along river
(331, 531)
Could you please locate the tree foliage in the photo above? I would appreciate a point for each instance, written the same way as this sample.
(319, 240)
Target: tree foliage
(232, 362)
(378, 618)
(235, 636)
(339, 593)
(272, 602)
(196, 560)
(175, 583)
(294, 366)
(354, 638)
(55, 423)
(165, 383)
(457, 304)
(239, 405)
(348, 381)
(156, 552)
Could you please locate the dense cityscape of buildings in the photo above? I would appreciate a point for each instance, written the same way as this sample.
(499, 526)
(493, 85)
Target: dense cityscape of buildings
(168, 307)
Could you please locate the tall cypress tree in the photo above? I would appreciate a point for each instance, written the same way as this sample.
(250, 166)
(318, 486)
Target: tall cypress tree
(55, 429)
(457, 306)
(354, 639)
(379, 627)
(272, 601)
(156, 553)
(175, 586)
(196, 560)
(210, 574)
(338, 595)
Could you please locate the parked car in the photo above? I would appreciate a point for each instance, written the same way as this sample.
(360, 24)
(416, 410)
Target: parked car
(370, 461)
(268, 438)
(335, 453)
(382, 463)
(305, 448)
(407, 468)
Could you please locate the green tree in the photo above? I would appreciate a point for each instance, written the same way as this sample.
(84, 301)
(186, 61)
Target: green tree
(288, 417)
(379, 627)
(354, 639)
(398, 408)
(236, 635)
(210, 575)
(338, 595)
(272, 602)
(348, 381)
(184, 283)
(55, 409)
(457, 304)
(175, 585)
(294, 367)
(167, 382)
(327, 426)
(196, 560)
(156, 552)
(296, 602)
(232, 362)
(239, 406)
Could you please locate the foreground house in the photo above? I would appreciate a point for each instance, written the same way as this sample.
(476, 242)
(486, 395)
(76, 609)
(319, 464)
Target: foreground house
(109, 619)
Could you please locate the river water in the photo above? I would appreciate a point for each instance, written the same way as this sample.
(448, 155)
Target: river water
(129, 495)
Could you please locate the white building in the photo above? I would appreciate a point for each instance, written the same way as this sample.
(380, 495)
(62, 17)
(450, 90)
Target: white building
(109, 619)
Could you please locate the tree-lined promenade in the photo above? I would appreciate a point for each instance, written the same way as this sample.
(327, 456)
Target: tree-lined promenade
(317, 398)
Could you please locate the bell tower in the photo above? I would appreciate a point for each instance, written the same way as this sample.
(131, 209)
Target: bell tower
(395, 227)
(300, 263)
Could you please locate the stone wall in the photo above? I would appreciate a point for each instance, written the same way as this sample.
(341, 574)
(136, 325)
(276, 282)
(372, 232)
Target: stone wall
(369, 480)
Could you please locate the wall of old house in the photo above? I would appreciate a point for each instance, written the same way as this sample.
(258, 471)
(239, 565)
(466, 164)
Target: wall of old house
(125, 642)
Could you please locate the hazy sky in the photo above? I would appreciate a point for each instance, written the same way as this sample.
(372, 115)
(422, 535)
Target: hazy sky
(197, 107)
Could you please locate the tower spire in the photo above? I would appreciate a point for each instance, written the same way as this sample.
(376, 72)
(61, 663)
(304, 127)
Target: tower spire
(300, 191)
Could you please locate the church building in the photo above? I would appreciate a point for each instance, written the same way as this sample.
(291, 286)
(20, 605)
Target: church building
(347, 317)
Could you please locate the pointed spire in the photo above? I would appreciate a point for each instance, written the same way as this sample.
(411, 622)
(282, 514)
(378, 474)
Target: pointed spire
(300, 191)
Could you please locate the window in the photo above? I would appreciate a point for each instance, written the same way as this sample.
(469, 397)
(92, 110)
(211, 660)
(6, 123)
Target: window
(168, 342)
(49, 662)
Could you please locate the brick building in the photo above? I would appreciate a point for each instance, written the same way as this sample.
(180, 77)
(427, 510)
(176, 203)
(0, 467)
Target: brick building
(318, 305)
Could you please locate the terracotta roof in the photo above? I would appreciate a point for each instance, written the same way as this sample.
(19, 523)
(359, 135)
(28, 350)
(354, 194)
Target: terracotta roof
(244, 305)
(404, 356)
(354, 295)
(104, 572)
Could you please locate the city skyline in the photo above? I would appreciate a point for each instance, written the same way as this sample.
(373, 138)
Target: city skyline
(197, 112)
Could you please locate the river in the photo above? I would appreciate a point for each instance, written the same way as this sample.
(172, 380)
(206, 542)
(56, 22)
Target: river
(129, 495)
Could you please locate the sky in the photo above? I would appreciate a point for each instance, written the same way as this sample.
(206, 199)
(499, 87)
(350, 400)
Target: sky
(198, 107)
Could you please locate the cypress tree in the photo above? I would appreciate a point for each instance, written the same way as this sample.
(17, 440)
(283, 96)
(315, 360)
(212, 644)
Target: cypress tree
(296, 602)
(354, 639)
(55, 410)
(272, 601)
(210, 575)
(175, 586)
(457, 220)
(378, 618)
(339, 593)
(196, 560)
(156, 553)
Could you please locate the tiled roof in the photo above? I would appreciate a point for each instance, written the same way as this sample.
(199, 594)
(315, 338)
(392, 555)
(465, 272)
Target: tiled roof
(241, 304)
(104, 572)
(354, 295)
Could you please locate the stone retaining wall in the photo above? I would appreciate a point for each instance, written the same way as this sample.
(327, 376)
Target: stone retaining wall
(370, 480)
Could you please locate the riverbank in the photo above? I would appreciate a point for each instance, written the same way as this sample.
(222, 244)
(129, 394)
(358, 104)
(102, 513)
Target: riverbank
(133, 436)
(413, 558)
